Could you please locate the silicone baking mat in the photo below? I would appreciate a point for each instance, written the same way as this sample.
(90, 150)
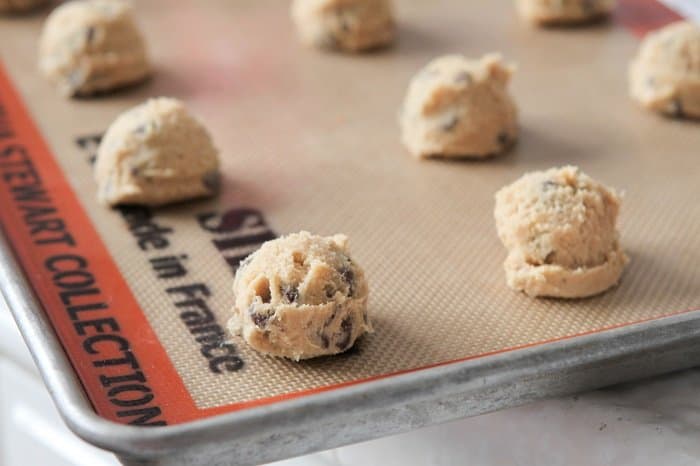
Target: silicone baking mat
(140, 297)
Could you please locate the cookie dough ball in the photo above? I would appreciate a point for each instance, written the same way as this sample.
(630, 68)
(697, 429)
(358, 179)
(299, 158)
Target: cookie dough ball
(559, 228)
(349, 25)
(456, 107)
(300, 296)
(91, 46)
(563, 12)
(19, 6)
(156, 153)
(665, 75)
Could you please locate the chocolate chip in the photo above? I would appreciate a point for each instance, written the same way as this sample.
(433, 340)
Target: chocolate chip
(329, 289)
(345, 334)
(450, 125)
(504, 138)
(549, 258)
(463, 77)
(212, 181)
(260, 320)
(343, 22)
(675, 108)
(90, 34)
(331, 318)
(291, 293)
(348, 277)
(324, 341)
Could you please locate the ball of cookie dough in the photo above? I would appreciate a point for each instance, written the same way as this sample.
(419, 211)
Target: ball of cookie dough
(563, 12)
(456, 107)
(559, 228)
(349, 25)
(300, 296)
(19, 6)
(665, 75)
(154, 154)
(91, 46)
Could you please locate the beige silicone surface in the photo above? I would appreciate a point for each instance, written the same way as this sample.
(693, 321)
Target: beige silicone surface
(311, 140)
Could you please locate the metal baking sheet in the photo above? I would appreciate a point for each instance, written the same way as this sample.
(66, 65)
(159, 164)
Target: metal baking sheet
(310, 141)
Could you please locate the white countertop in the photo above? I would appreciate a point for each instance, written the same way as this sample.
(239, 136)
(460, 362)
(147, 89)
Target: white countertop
(652, 422)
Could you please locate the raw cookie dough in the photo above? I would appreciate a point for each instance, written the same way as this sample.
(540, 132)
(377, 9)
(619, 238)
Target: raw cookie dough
(19, 6)
(456, 107)
(300, 296)
(665, 75)
(562, 12)
(559, 228)
(91, 46)
(154, 154)
(350, 25)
